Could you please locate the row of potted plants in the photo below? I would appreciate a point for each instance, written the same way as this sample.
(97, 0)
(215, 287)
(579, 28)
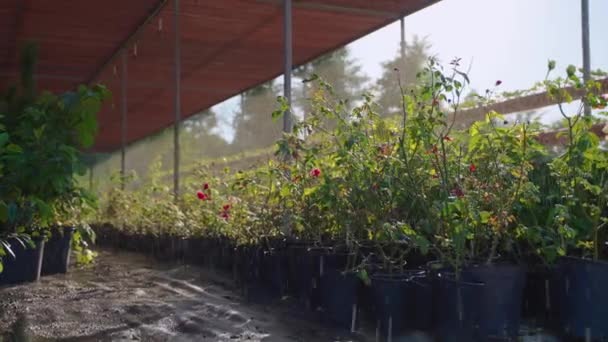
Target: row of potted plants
(374, 200)
(41, 135)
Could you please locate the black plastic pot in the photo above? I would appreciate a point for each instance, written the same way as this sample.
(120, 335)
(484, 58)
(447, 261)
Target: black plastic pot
(500, 300)
(146, 244)
(226, 255)
(455, 308)
(194, 253)
(339, 298)
(300, 272)
(585, 298)
(213, 253)
(541, 297)
(396, 304)
(57, 250)
(304, 273)
(26, 266)
(265, 274)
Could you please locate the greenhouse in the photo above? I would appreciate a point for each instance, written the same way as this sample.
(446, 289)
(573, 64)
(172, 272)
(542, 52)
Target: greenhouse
(298, 170)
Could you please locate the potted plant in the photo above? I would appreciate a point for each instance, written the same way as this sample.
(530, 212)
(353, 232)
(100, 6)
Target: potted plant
(317, 190)
(565, 228)
(70, 233)
(41, 154)
(477, 180)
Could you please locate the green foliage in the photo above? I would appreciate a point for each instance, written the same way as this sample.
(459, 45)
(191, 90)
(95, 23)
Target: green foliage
(568, 220)
(355, 176)
(40, 140)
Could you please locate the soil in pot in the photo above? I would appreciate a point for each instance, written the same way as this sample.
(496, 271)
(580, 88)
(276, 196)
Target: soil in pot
(26, 266)
(500, 300)
(56, 257)
(585, 298)
(339, 298)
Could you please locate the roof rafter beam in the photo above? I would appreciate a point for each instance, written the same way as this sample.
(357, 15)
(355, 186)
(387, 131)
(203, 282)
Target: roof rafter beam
(466, 117)
(130, 38)
(319, 6)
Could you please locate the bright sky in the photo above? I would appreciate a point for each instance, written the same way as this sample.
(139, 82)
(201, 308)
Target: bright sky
(510, 40)
(507, 40)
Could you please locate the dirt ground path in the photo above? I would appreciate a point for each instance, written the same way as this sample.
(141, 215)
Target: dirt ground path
(128, 297)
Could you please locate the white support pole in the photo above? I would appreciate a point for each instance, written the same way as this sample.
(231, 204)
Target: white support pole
(178, 104)
(403, 44)
(586, 46)
(288, 60)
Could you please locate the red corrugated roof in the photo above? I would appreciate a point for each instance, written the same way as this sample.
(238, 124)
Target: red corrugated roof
(227, 47)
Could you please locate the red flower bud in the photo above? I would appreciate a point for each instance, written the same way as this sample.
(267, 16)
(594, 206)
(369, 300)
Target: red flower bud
(457, 191)
(472, 168)
(206, 186)
(434, 150)
(226, 207)
(201, 195)
(316, 172)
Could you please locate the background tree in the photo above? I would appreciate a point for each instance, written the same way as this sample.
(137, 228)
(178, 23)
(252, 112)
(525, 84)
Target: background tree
(253, 124)
(402, 68)
(338, 69)
(200, 139)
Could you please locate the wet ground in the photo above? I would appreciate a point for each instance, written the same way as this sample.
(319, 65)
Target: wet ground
(128, 297)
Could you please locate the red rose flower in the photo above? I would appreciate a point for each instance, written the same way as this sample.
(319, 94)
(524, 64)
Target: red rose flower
(316, 172)
(472, 168)
(226, 207)
(201, 195)
(225, 215)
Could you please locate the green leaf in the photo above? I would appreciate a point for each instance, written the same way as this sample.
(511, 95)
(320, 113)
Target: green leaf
(8, 249)
(3, 139)
(362, 274)
(310, 191)
(285, 191)
(3, 212)
(12, 148)
(484, 216)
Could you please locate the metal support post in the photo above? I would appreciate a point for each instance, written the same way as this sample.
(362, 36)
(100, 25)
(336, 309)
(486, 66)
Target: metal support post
(287, 32)
(178, 104)
(123, 119)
